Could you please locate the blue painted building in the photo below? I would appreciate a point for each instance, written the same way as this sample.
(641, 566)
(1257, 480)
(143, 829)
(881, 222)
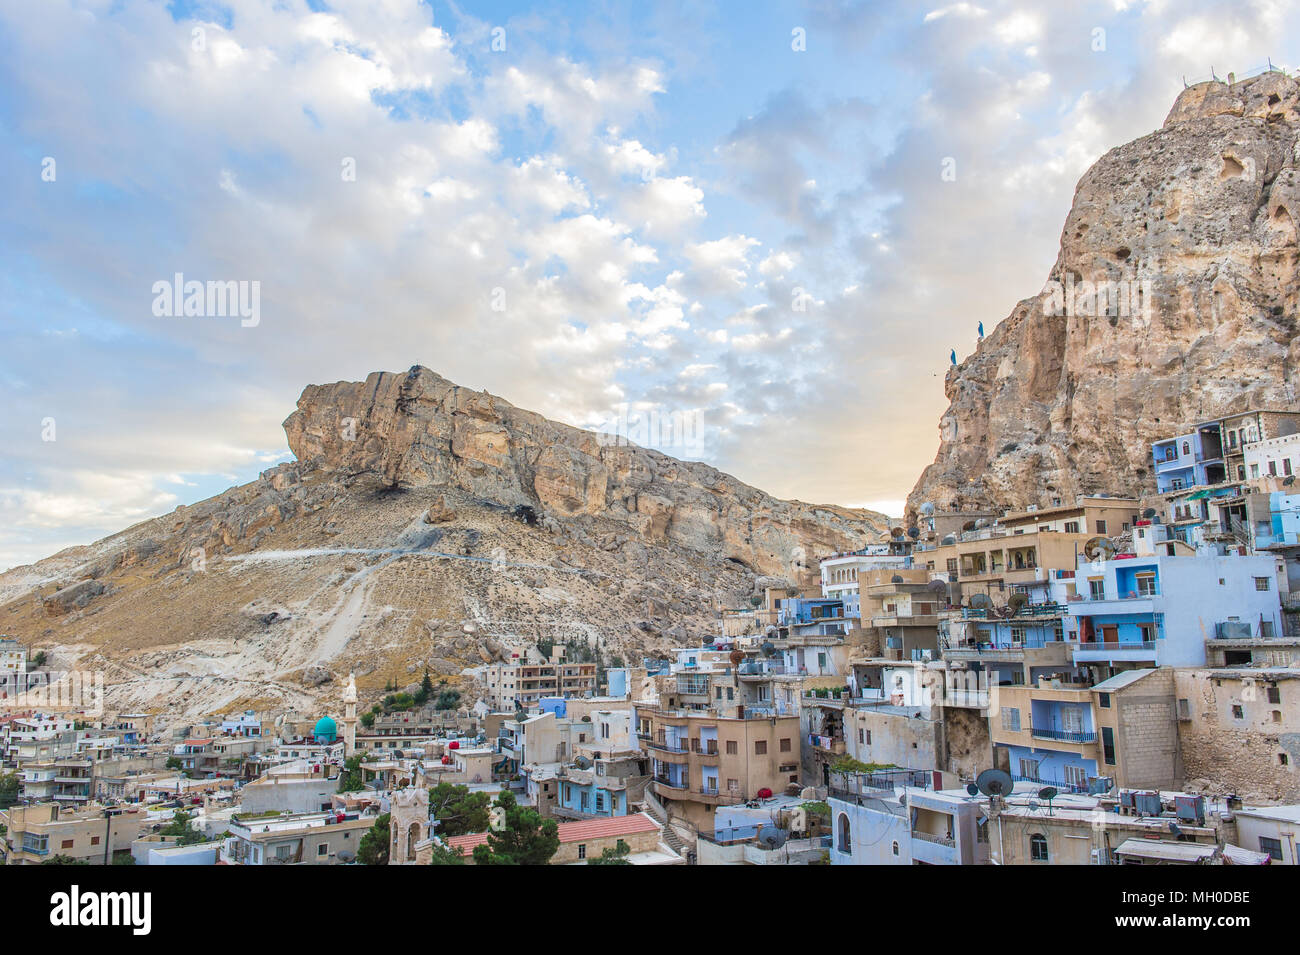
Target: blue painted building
(1194, 459)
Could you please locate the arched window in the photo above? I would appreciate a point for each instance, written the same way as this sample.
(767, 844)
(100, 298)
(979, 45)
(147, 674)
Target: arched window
(412, 837)
(895, 848)
(1187, 448)
(1038, 847)
(845, 840)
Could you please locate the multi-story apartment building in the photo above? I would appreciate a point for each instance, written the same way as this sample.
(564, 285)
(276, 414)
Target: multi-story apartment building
(38, 832)
(900, 612)
(511, 686)
(13, 656)
(840, 572)
(700, 758)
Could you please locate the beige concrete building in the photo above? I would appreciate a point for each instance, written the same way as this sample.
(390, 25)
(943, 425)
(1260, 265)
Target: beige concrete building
(94, 835)
(513, 685)
(700, 760)
(314, 838)
(580, 842)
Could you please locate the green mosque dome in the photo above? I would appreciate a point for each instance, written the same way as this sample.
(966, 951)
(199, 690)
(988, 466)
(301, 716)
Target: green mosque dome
(326, 731)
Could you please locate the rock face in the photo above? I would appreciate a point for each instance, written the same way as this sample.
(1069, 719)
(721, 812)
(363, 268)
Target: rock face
(1173, 300)
(418, 429)
(423, 526)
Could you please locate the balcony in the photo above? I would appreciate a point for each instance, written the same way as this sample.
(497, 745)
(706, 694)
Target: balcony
(1098, 651)
(669, 745)
(1062, 736)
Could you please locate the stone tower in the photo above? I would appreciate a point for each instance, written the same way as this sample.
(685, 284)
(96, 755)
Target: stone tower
(350, 717)
(408, 825)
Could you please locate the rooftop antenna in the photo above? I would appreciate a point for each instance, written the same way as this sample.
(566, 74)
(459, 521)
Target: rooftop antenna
(1047, 794)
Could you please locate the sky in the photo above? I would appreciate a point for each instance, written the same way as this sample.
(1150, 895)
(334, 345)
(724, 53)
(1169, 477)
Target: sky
(746, 233)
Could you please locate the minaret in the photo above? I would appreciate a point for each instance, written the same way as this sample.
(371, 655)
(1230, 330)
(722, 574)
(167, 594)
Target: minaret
(350, 717)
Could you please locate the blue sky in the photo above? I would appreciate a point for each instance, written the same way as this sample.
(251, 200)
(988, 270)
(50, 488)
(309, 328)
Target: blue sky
(680, 212)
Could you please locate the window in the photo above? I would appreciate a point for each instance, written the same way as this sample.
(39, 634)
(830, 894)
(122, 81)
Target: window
(785, 745)
(1029, 769)
(1254, 470)
(1146, 585)
(1187, 448)
(1237, 712)
(731, 747)
(323, 849)
(1071, 527)
(860, 736)
(1101, 527)
(868, 737)
(1272, 468)
(582, 850)
(760, 747)
(895, 848)
(1261, 583)
(1103, 700)
(1010, 718)
(1272, 846)
(1108, 745)
(1282, 759)
(844, 841)
(1096, 588)
(94, 840)
(1038, 847)
(67, 844)
(1274, 695)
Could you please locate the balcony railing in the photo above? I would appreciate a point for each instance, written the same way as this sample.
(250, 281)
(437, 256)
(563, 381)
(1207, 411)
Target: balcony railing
(934, 837)
(1063, 736)
(1108, 645)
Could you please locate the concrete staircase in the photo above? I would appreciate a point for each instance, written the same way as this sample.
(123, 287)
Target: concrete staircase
(660, 815)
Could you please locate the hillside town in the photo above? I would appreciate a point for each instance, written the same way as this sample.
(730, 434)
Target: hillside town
(1101, 680)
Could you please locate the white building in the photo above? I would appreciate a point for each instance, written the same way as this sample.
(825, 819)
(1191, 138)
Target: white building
(13, 656)
(1273, 457)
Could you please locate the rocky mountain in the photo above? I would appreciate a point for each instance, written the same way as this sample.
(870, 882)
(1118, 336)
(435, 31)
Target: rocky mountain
(422, 525)
(1173, 299)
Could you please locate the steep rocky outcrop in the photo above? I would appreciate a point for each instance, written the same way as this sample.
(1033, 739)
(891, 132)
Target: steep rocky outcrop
(423, 526)
(417, 429)
(1173, 300)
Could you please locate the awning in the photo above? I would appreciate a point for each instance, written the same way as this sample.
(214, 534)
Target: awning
(1160, 850)
(1198, 495)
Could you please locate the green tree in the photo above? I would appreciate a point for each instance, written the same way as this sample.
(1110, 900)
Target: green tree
(350, 780)
(448, 699)
(10, 784)
(446, 855)
(615, 856)
(64, 860)
(426, 690)
(123, 858)
(368, 718)
(181, 830)
(526, 838)
(373, 849)
(458, 810)
(173, 762)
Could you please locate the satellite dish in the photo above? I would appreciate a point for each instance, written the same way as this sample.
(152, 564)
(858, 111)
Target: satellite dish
(994, 782)
(927, 509)
(914, 532)
(1173, 828)
(736, 657)
(1149, 513)
(769, 649)
(972, 789)
(1099, 548)
(896, 579)
(980, 600)
(948, 539)
(968, 526)
(1017, 601)
(346, 856)
(1047, 794)
(772, 836)
(895, 532)
(939, 586)
(1288, 481)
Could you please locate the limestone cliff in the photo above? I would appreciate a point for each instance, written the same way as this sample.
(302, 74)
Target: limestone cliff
(419, 429)
(1173, 300)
